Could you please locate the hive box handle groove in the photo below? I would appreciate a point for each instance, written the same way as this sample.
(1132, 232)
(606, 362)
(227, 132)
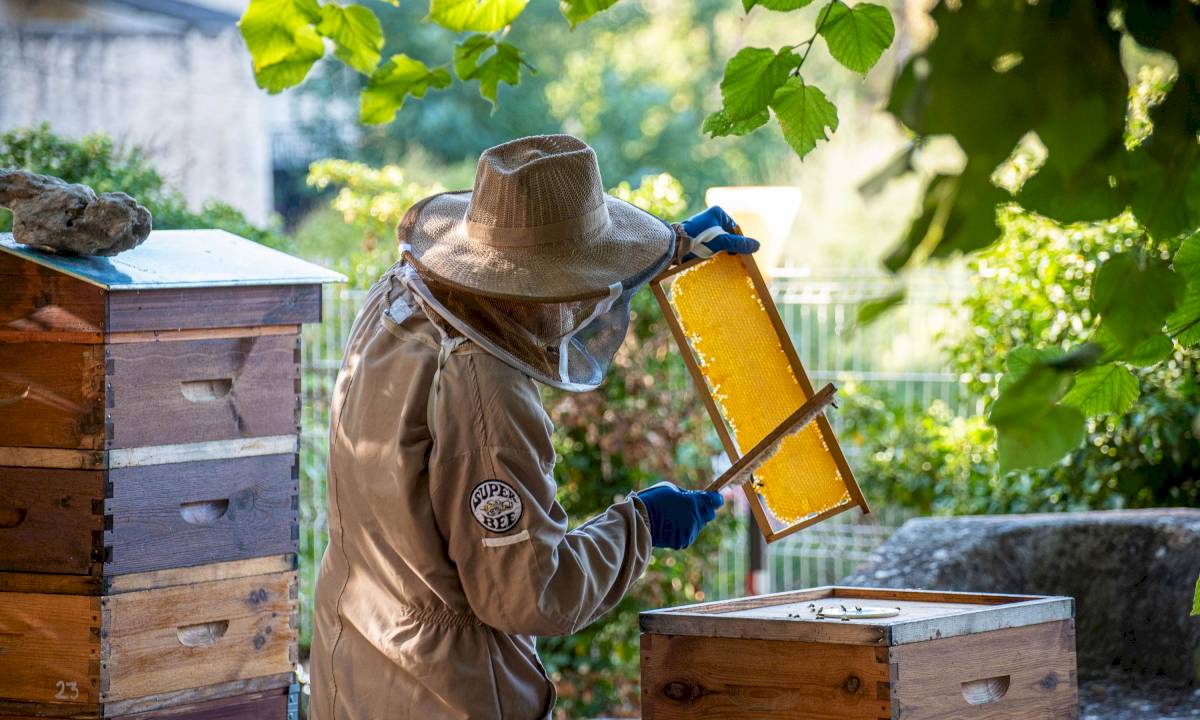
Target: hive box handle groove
(202, 391)
(201, 634)
(203, 512)
(988, 690)
(12, 517)
(12, 393)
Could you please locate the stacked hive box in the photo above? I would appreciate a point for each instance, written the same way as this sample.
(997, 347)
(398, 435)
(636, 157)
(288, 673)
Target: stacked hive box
(148, 478)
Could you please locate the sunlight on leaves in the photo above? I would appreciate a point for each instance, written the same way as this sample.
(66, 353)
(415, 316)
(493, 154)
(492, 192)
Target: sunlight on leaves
(780, 5)
(751, 79)
(804, 115)
(1032, 429)
(398, 78)
(1105, 390)
(857, 36)
(475, 15)
(503, 65)
(720, 124)
(282, 41)
(356, 33)
(576, 11)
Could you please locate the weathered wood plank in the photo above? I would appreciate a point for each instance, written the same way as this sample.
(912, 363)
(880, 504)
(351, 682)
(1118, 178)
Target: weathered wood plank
(193, 308)
(39, 303)
(196, 635)
(51, 521)
(153, 455)
(200, 574)
(50, 583)
(1023, 673)
(201, 390)
(693, 677)
(51, 395)
(153, 706)
(202, 334)
(49, 648)
(185, 514)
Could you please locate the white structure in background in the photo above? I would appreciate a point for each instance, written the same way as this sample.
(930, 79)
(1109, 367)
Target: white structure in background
(170, 76)
(764, 213)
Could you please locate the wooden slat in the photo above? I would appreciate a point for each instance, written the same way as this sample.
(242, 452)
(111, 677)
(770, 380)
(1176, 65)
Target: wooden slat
(203, 334)
(52, 395)
(178, 704)
(153, 455)
(50, 584)
(49, 648)
(193, 308)
(200, 574)
(693, 677)
(37, 303)
(197, 635)
(1036, 662)
(201, 390)
(51, 521)
(186, 514)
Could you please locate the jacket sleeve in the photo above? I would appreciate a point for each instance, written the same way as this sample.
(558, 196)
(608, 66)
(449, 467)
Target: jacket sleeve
(522, 570)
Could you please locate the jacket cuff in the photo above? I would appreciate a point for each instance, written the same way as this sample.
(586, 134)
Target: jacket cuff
(683, 243)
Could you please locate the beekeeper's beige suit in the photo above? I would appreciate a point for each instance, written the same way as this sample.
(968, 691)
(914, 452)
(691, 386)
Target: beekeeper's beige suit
(421, 611)
(448, 551)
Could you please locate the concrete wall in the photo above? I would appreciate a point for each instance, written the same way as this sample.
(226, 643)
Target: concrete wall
(187, 97)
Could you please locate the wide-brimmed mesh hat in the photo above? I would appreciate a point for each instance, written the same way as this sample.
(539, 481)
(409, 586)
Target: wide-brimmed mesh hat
(537, 226)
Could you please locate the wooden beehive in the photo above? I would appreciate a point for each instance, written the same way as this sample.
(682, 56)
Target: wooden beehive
(945, 655)
(148, 476)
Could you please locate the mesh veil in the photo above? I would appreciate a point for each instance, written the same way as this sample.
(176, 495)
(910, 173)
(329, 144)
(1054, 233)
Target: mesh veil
(567, 344)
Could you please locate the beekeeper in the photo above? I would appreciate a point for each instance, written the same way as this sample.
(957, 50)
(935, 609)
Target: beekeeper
(447, 551)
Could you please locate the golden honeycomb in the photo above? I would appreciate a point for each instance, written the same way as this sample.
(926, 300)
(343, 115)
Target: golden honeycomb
(741, 356)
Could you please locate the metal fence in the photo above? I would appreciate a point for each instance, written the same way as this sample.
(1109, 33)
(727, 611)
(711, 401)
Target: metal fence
(896, 354)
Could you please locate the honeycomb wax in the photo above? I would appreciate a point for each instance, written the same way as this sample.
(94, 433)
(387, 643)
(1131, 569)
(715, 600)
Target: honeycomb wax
(741, 357)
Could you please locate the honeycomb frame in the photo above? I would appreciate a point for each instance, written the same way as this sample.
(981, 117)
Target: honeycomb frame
(771, 526)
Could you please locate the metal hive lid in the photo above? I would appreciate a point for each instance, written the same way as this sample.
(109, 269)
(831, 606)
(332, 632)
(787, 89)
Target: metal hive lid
(182, 259)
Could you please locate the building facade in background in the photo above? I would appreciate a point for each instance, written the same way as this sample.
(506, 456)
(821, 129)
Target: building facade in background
(169, 76)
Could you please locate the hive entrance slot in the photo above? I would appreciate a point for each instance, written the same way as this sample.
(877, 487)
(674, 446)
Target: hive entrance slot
(203, 512)
(988, 690)
(199, 391)
(201, 634)
(12, 517)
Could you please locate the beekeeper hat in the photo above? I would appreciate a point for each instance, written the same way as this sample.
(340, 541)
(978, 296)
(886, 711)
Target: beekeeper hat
(537, 264)
(537, 226)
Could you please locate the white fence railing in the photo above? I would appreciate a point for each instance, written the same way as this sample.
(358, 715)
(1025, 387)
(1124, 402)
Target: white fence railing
(896, 354)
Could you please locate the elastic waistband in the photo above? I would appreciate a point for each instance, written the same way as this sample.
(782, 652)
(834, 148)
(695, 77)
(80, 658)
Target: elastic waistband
(441, 616)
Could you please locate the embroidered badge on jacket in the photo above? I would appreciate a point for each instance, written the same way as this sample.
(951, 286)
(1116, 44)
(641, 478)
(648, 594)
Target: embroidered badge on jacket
(496, 506)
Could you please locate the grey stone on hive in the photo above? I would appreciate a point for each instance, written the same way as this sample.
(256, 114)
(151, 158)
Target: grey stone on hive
(55, 215)
(1132, 574)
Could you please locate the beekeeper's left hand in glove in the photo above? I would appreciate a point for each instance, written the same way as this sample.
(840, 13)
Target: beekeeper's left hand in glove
(712, 232)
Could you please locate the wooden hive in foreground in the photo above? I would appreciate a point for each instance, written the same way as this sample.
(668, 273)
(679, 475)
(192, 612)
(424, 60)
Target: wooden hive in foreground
(148, 478)
(943, 655)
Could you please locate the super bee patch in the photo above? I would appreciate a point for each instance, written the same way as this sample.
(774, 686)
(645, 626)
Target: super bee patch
(496, 506)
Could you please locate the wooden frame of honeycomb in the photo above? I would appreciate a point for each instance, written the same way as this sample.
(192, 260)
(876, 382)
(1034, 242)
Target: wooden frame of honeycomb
(750, 379)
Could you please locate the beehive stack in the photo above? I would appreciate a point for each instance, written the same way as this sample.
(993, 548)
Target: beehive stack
(148, 478)
(743, 362)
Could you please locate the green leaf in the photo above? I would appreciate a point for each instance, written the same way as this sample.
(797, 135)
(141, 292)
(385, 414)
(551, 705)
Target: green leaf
(356, 33)
(1146, 353)
(396, 79)
(282, 41)
(1134, 298)
(1187, 258)
(503, 65)
(871, 310)
(719, 124)
(475, 15)
(1031, 428)
(1184, 323)
(857, 36)
(780, 5)
(576, 11)
(804, 113)
(1196, 600)
(751, 79)
(1105, 390)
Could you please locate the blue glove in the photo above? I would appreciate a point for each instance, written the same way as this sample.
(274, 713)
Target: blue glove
(714, 232)
(676, 516)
